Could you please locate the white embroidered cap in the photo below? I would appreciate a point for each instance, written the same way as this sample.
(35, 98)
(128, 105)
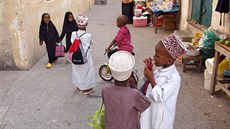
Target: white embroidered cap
(121, 64)
(81, 20)
(174, 45)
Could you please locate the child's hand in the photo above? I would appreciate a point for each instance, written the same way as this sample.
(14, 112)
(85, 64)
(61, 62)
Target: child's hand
(40, 43)
(148, 74)
(59, 40)
(147, 60)
(149, 63)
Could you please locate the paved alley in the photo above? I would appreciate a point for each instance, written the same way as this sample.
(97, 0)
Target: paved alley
(46, 99)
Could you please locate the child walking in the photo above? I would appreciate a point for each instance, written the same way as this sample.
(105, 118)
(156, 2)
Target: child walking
(48, 34)
(164, 84)
(69, 26)
(83, 75)
(123, 103)
(122, 38)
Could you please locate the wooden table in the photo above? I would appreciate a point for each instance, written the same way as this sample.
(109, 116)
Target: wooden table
(157, 13)
(225, 50)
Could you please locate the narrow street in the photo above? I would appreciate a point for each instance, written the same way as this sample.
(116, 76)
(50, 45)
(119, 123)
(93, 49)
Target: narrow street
(46, 98)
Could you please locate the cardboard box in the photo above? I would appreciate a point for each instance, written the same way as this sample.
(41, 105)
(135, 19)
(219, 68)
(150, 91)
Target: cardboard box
(169, 23)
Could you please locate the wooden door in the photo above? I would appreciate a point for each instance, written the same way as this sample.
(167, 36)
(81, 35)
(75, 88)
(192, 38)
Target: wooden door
(202, 12)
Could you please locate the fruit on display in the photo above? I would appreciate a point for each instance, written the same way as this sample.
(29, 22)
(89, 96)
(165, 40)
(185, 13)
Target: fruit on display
(222, 41)
(198, 34)
(227, 42)
(195, 40)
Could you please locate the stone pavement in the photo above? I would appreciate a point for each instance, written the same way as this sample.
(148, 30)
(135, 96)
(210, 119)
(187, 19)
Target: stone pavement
(46, 99)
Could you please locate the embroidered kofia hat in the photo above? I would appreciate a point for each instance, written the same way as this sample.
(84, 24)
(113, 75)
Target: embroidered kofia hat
(81, 20)
(121, 65)
(174, 45)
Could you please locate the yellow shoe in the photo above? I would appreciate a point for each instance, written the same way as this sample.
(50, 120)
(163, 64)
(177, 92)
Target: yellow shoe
(49, 65)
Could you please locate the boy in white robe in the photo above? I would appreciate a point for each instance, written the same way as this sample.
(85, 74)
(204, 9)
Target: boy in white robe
(164, 84)
(83, 75)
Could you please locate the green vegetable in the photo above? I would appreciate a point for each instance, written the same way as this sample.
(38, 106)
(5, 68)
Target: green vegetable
(227, 43)
(97, 121)
(222, 41)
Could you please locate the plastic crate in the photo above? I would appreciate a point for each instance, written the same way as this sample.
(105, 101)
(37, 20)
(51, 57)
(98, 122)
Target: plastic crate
(140, 21)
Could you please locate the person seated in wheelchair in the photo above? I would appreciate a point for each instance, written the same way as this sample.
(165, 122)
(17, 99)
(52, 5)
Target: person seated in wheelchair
(122, 38)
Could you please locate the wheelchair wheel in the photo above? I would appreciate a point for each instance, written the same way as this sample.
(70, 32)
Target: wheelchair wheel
(105, 73)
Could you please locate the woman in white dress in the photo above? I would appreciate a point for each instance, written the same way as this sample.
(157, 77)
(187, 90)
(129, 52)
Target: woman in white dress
(83, 75)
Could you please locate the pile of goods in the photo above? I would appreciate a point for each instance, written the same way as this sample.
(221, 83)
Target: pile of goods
(139, 19)
(195, 41)
(193, 49)
(164, 5)
(225, 42)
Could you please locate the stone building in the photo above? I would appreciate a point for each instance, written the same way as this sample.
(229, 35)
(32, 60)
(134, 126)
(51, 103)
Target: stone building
(197, 15)
(19, 25)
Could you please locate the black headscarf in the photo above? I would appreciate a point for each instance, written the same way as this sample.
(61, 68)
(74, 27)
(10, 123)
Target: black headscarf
(48, 32)
(69, 26)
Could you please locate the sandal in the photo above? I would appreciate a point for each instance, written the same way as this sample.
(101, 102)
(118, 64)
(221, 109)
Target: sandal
(49, 65)
(87, 92)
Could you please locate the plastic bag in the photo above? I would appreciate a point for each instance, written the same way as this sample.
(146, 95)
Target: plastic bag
(98, 119)
(208, 40)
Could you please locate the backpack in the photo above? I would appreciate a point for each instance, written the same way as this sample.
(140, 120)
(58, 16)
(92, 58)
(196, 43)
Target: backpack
(79, 56)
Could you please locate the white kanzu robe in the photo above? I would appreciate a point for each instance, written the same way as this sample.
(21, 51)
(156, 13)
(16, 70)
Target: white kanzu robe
(163, 97)
(83, 75)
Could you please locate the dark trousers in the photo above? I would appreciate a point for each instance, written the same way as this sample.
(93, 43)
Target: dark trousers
(51, 48)
(127, 10)
(68, 42)
(111, 52)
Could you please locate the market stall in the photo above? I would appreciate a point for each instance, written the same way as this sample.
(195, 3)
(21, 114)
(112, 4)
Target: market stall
(223, 83)
(211, 49)
(168, 9)
(146, 12)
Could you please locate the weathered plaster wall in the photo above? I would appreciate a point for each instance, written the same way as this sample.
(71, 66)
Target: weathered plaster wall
(186, 14)
(19, 24)
(6, 54)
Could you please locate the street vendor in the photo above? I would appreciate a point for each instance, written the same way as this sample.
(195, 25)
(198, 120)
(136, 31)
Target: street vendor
(127, 9)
